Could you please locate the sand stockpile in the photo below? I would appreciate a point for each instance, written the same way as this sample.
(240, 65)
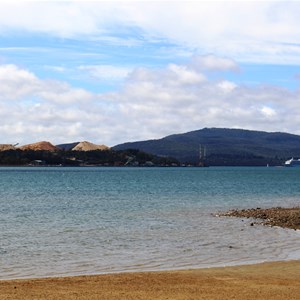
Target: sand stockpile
(87, 146)
(40, 146)
(6, 147)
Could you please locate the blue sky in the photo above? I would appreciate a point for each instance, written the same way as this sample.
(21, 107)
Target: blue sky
(111, 72)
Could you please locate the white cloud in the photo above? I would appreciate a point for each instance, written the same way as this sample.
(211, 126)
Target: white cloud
(18, 83)
(32, 108)
(227, 86)
(151, 103)
(106, 72)
(56, 18)
(172, 76)
(185, 75)
(260, 31)
(212, 63)
(268, 111)
(255, 31)
(161, 105)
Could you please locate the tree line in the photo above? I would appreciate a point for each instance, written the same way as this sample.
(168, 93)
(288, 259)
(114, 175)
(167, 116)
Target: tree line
(130, 157)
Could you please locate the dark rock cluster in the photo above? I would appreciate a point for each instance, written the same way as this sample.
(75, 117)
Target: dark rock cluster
(277, 216)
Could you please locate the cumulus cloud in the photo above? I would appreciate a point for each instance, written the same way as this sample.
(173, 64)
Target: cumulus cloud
(148, 102)
(151, 103)
(268, 111)
(160, 103)
(105, 72)
(32, 108)
(18, 83)
(212, 63)
(227, 86)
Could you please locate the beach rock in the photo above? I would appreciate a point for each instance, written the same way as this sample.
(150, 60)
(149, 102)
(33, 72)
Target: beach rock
(276, 216)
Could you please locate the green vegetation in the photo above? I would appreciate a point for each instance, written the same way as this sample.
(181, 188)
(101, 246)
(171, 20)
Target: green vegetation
(83, 158)
(224, 147)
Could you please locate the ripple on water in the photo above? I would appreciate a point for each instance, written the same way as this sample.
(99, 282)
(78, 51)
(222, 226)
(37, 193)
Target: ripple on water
(70, 222)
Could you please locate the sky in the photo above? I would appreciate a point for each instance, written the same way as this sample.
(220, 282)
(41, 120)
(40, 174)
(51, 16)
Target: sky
(111, 72)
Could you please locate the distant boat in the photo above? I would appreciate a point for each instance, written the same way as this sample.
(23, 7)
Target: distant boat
(292, 163)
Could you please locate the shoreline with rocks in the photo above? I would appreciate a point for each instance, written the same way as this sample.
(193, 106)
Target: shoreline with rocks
(276, 216)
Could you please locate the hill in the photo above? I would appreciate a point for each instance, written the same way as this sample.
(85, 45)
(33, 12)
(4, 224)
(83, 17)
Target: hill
(224, 146)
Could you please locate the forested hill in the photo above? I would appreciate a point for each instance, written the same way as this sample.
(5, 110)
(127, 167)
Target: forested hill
(224, 146)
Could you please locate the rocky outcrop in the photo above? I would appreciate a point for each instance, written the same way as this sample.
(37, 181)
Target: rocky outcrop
(40, 146)
(277, 216)
(87, 146)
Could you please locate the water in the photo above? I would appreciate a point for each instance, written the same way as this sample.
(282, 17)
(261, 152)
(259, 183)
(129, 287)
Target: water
(71, 221)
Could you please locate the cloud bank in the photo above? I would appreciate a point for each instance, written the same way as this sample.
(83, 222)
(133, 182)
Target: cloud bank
(59, 59)
(250, 31)
(151, 103)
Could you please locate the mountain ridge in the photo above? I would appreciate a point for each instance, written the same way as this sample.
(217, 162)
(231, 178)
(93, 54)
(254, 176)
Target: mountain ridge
(207, 146)
(224, 146)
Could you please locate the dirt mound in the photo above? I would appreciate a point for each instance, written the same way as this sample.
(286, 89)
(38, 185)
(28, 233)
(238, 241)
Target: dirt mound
(40, 146)
(277, 216)
(6, 147)
(87, 146)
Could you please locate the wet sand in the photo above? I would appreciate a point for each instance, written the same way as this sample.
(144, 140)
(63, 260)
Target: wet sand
(278, 280)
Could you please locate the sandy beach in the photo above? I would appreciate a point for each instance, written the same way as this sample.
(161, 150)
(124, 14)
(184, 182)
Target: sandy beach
(272, 280)
(277, 280)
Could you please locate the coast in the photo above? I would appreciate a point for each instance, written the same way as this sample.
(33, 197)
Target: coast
(276, 280)
(271, 280)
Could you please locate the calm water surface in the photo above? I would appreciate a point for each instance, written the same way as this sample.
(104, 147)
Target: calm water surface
(71, 221)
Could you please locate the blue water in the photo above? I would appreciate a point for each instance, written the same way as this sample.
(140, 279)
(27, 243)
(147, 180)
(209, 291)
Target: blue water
(71, 221)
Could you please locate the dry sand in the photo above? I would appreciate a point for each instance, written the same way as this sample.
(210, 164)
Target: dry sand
(279, 280)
